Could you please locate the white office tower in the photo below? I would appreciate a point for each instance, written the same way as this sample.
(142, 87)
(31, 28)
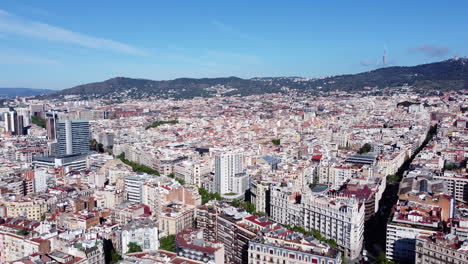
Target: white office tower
(72, 137)
(13, 123)
(26, 114)
(227, 165)
(134, 186)
(8, 124)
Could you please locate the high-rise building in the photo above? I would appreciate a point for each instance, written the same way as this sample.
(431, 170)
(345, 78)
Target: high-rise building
(134, 187)
(8, 123)
(36, 109)
(226, 224)
(26, 114)
(51, 126)
(40, 180)
(72, 137)
(227, 165)
(19, 123)
(13, 123)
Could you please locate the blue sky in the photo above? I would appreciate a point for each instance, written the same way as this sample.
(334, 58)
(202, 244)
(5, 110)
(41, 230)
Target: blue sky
(60, 44)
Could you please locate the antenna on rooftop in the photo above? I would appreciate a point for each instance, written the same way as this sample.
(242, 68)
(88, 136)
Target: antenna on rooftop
(384, 57)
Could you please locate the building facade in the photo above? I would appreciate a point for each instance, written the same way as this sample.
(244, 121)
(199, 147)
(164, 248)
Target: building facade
(190, 244)
(440, 248)
(73, 137)
(339, 218)
(227, 165)
(143, 232)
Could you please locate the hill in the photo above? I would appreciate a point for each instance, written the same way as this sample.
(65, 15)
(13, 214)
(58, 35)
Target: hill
(445, 75)
(177, 88)
(439, 76)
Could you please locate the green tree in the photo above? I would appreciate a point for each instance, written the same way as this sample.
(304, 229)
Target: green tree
(136, 167)
(392, 178)
(207, 196)
(249, 207)
(38, 121)
(115, 257)
(92, 144)
(365, 148)
(100, 148)
(159, 123)
(260, 214)
(204, 195)
(133, 247)
(23, 232)
(168, 243)
(332, 242)
(450, 166)
(382, 259)
(216, 196)
(181, 181)
(276, 142)
(235, 203)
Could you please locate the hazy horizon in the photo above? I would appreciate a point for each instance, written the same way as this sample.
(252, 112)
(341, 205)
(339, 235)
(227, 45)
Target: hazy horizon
(55, 46)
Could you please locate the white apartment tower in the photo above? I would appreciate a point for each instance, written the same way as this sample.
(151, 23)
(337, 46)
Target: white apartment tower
(134, 187)
(40, 180)
(227, 165)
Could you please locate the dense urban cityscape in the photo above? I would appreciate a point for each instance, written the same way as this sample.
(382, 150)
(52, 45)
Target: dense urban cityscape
(258, 179)
(233, 132)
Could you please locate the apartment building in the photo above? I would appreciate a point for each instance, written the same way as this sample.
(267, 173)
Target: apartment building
(32, 208)
(175, 217)
(338, 218)
(192, 172)
(225, 224)
(134, 186)
(16, 240)
(143, 232)
(420, 210)
(260, 196)
(126, 212)
(457, 184)
(284, 246)
(190, 244)
(227, 166)
(440, 248)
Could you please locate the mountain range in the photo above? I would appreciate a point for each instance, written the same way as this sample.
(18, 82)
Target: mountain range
(438, 76)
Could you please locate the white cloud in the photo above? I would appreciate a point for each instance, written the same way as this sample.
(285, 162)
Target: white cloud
(221, 26)
(11, 24)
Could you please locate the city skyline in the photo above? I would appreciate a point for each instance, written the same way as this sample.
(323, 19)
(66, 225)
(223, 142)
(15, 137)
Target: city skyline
(59, 45)
(233, 132)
